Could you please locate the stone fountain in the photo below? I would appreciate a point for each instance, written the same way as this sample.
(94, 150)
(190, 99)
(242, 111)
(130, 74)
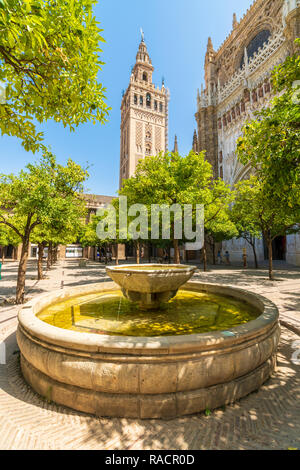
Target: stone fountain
(146, 377)
(152, 284)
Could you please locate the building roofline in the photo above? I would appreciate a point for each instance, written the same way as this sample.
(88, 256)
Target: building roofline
(240, 24)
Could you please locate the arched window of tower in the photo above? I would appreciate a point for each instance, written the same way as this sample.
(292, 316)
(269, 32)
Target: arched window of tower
(148, 149)
(145, 77)
(148, 100)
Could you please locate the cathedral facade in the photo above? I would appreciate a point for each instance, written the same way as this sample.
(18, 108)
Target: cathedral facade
(144, 116)
(238, 83)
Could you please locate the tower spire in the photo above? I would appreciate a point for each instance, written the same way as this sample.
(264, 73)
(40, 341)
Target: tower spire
(142, 54)
(143, 68)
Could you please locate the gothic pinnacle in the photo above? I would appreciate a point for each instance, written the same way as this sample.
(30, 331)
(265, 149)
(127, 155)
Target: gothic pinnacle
(210, 46)
(234, 21)
(175, 145)
(195, 142)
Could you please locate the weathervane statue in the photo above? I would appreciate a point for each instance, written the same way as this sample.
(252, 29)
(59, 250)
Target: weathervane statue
(143, 35)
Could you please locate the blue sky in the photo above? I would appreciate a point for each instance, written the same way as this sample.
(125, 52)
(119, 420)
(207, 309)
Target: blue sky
(176, 34)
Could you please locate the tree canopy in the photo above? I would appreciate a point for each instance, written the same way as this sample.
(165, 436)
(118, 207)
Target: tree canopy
(271, 142)
(49, 61)
(169, 179)
(256, 209)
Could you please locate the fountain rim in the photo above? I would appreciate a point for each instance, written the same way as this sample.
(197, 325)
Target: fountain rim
(174, 268)
(133, 345)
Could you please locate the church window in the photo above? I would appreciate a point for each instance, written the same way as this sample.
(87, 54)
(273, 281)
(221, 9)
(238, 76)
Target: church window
(267, 87)
(148, 100)
(155, 105)
(255, 44)
(135, 99)
(145, 77)
(141, 101)
(161, 107)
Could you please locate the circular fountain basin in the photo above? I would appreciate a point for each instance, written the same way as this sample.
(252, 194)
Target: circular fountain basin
(147, 377)
(150, 284)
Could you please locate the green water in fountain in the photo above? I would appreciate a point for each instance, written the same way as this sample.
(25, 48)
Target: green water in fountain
(110, 313)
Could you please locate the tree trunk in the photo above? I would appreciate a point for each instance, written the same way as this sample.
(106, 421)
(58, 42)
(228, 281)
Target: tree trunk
(138, 260)
(214, 253)
(40, 260)
(52, 258)
(22, 272)
(176, 252)
(49, 258)
(270, 250)
(55, 254)
(204, 257)
(255, 255)
(117, 254)
(2, 254)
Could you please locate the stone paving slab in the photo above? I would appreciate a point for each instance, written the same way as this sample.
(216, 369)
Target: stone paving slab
(267, 419)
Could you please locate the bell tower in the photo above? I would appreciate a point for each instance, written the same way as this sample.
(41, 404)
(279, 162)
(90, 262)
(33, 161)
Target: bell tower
(144, 115)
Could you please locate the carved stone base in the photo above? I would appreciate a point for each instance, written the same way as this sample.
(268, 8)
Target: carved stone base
(149, 301)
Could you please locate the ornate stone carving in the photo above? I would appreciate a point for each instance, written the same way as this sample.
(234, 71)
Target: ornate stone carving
(158, 140)
(139, 134)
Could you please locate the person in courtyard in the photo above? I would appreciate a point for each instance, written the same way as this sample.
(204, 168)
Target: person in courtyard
(219, 257)
(227, 257)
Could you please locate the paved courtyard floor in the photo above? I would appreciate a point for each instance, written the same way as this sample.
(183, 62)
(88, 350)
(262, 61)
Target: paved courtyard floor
(267, 419)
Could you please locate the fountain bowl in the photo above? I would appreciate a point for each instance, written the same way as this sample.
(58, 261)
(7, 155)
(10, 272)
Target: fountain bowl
(150, 285)
(147, 377)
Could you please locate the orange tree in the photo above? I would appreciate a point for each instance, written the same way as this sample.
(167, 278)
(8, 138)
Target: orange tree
(49, 62)
(40, 195)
